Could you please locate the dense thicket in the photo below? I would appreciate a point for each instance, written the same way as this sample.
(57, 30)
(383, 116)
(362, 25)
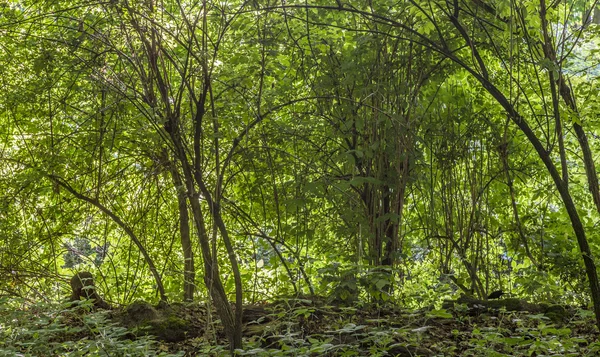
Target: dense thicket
(241, 150)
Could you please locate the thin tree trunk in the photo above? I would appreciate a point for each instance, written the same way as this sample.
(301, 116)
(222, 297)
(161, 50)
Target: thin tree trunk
(189, 272)
(236, 337)
(212, 278)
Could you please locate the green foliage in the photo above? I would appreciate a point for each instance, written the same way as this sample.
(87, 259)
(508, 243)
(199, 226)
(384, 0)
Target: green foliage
(347, 284)
(362, 151)
(53, 330)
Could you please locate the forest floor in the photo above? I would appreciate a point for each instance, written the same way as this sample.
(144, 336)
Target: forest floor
(299, 327)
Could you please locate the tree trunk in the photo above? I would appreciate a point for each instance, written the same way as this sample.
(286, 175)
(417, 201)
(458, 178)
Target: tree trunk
(189, 272)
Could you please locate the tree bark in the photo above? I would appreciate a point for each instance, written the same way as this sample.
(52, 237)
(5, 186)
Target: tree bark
(189, 272)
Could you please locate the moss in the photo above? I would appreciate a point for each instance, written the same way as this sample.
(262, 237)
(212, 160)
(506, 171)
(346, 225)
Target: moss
(557, 313)
(169, 329)
(160, 322)
(513, 304)
(558, 309)
(140, 311)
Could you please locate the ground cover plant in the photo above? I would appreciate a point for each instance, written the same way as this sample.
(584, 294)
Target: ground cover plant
(307, 327)
(342, 177)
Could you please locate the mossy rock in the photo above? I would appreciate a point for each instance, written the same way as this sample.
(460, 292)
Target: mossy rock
(557, 313)
(169, 329)
(141, 311)
(510, 304)
(558, 309)
(158, 321)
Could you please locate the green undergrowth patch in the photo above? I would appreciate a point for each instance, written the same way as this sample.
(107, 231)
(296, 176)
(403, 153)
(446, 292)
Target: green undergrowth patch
(62, 330)
(301, 327)
(386, 330)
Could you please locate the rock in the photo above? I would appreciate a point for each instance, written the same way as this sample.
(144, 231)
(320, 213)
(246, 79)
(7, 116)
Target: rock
(169, 329)
(558, 313)
(161, 322)
(141, 311)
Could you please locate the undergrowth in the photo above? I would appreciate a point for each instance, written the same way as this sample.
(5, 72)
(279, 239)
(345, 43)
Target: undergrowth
(303, 327)
(43, 329)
